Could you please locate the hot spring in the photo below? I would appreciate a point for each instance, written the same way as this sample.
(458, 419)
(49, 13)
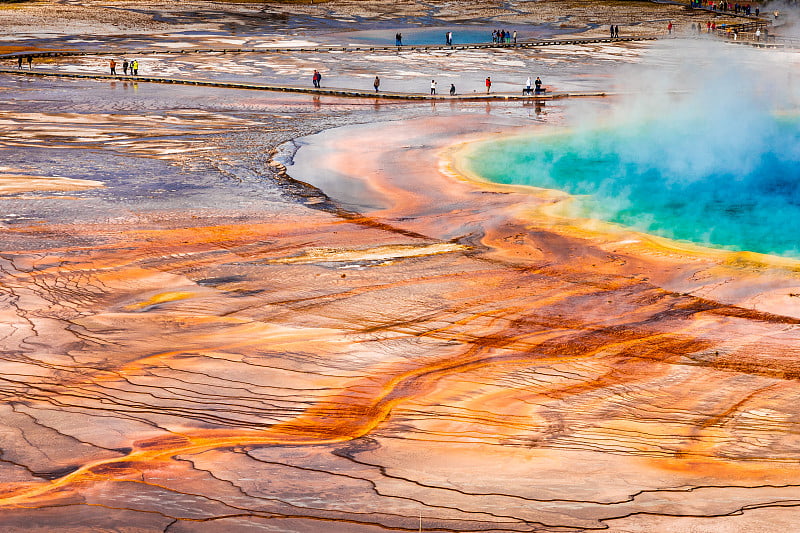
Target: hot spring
(685, 178)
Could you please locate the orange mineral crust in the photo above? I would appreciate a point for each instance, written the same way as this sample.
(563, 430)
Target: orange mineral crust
(450, 359)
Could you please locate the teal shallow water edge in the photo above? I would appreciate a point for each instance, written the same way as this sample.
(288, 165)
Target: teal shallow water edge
(676, 179)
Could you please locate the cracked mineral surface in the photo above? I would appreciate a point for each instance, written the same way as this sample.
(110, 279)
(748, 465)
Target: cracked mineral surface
(245, 311)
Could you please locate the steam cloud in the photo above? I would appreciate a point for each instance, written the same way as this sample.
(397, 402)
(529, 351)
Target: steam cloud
(703, 145)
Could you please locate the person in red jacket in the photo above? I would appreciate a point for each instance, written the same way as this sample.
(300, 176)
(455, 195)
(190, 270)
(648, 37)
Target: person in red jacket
(488, 84)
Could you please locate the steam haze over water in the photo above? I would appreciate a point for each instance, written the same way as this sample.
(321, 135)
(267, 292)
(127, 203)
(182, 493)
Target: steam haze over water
(704, 147)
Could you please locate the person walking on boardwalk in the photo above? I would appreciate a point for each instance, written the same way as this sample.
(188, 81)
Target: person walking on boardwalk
(669, 28)
(515, 36)
(316, 78)
(611, 30)
(30, 62)
(538, 85)
(125, 67)
(398, 39)
(113, 66)
(616, 31)
(135, 67)
(488, 84)
(377, 83)
(19, 62)
(433, 86)
(527, 89)
(452, 89)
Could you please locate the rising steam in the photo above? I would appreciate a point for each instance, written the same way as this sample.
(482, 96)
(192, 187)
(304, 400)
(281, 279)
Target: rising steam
(703, 145)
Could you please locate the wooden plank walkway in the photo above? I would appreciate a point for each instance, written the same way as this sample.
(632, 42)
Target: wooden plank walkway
(363, 48)
(325, 91)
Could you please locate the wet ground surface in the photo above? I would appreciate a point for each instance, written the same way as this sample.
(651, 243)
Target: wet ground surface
(193, 340)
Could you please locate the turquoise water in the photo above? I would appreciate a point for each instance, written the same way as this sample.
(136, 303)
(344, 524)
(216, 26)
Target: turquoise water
(728, 187)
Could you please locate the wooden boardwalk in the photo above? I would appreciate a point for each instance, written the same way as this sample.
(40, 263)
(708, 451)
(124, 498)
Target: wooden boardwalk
(324, 91)
(305, 49)
(115, 53)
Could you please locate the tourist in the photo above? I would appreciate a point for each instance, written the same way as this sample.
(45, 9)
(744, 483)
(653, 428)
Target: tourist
(19, 61)
(616, 31)
(758, 34)
(113, 66)
(135, 67)
(488, 84)
(515, 36)
(316, 78)
(376, 83)
(527, 89)
(452, 89)
(125, 67)
(398, 39)
(612, 31)
(669, 27)
(433, 86)
(30, 61)
(538, 85)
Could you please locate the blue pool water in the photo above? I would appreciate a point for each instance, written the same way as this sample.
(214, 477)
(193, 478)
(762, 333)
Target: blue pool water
(421, 36)
(734, 187)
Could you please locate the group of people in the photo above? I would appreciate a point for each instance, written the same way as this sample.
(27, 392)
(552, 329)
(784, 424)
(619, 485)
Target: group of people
(498, 37)
(503, 36)
(29, 59)
(538, 89)
(731, 32)
(133, 66)
(614, 30)
(529, 89)
(744, 9)
(433, 88)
